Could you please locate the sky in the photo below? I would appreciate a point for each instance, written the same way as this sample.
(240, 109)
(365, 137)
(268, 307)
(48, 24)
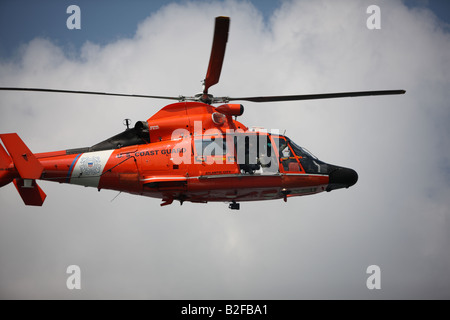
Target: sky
(314, 247)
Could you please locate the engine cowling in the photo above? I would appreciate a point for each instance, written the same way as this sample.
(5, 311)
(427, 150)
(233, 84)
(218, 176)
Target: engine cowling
(231, 109)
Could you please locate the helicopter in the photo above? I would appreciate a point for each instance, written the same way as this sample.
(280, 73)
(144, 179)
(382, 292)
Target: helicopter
(187, 151)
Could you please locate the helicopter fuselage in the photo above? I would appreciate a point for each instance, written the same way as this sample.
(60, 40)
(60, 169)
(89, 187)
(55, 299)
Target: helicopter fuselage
(189, 151)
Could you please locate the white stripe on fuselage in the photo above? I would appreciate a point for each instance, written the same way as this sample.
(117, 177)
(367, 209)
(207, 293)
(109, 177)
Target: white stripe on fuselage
(89, 168)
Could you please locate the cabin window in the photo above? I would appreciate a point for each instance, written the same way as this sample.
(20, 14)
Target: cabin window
(255, 154)
(211, 146)
(211, 149)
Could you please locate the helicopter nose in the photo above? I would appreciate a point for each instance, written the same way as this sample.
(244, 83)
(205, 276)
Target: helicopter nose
(342, 178)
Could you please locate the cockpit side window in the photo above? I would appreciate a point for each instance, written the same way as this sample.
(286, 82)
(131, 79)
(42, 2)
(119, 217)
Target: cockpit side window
(288, 159)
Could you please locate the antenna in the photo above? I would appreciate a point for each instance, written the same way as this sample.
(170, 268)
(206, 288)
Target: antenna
(117, 194)
(127, 122)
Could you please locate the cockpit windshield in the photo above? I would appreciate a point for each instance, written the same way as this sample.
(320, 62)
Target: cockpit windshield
(301, 152)
(309, 162)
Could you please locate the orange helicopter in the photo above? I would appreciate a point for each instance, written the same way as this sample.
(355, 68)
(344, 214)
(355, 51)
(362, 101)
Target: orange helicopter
(188, 151)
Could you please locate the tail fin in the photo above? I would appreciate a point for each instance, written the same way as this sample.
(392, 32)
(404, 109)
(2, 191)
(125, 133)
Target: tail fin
(28, 167)
(5, 164)
(24, 160)
(30, 192)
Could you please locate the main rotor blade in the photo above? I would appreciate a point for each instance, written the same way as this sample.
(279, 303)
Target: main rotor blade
(88, 92)
(217, 52)
(319, 96)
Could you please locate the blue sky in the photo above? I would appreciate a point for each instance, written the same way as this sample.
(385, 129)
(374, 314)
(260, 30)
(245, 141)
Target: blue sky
(397, 216)
(104, 21)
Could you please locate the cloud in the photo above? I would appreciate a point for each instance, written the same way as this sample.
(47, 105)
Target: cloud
(396, 216)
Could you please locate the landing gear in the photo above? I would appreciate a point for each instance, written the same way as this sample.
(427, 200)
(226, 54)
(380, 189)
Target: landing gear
(234, 206)
(285, 193)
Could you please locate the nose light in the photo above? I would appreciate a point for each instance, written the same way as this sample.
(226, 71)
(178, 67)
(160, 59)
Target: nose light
(342, 178)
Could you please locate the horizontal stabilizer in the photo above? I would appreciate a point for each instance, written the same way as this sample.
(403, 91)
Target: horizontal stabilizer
(24, 160)
(30, 192)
